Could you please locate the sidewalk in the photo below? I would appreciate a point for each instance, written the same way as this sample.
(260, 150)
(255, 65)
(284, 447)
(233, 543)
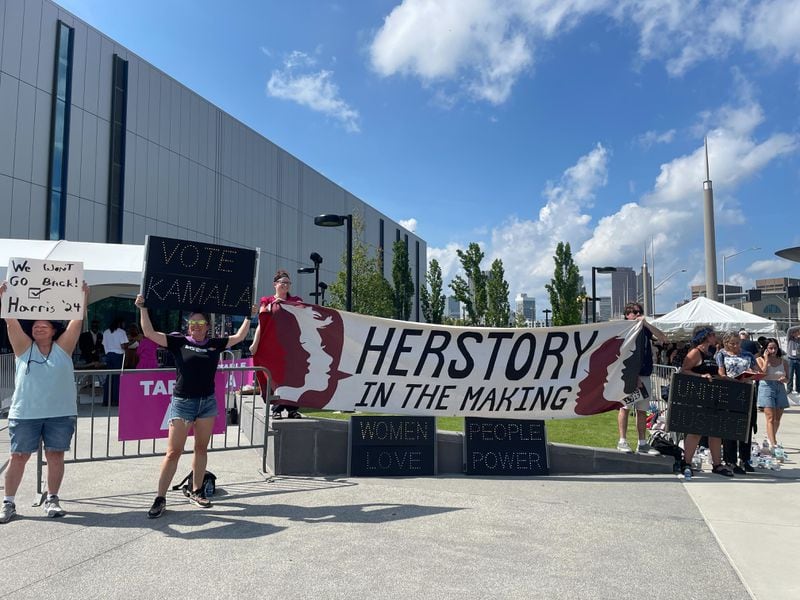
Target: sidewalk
(592, 537)
(754, 517)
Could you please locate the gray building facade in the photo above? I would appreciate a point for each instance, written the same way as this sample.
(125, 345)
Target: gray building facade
(100, 146)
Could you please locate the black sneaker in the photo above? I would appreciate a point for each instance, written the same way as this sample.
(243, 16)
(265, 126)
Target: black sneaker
(295, 414)
(158, 508)
(198, 499)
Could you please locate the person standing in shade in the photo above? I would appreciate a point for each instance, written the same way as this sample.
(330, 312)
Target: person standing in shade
(699, 361)
(90, 344)
(270, 305)
(44, 405)
(115, 342)
(193, 401)
(633, 311)
(793, 357)
(747, 344)
(735, 363)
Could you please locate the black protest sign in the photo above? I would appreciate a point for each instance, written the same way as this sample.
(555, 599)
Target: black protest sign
(382, 446)
(198, 276)
(505, 447)
(717, 407)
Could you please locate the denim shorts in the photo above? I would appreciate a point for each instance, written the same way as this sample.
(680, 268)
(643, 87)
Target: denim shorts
(26, 434)
(191, 409)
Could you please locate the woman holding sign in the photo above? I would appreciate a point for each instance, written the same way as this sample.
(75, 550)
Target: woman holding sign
(44, 404)
(193, 402)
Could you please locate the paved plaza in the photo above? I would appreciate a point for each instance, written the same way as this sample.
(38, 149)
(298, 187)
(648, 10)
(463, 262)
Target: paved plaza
(600, 536)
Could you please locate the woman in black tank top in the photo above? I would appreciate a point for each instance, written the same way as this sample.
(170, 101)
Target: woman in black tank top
(700, 361)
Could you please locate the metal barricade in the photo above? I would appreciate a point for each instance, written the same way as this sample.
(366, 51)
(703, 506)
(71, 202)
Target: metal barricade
(660, 380)
(7, 370)
(96, 436)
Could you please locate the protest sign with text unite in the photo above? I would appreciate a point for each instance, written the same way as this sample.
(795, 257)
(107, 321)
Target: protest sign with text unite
(43, 289)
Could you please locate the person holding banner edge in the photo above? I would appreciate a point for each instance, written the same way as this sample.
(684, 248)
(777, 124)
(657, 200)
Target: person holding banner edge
(193, 402)
(44, 405)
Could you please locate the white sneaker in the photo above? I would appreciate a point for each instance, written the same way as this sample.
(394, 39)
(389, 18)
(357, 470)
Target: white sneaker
(7, 511)
(52, 508)
(623, 446)
(647, 449)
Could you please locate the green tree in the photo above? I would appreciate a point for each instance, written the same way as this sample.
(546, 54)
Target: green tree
(472, 291)
(432, 301)
(498, 310)
(520, 321)
(403, 282)
(564, 288)
(372, 294)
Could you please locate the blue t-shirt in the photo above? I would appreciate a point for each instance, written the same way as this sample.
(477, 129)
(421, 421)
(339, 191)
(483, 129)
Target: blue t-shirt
(44, 386)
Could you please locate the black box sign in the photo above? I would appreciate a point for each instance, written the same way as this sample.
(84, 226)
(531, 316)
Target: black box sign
(717, 408)
(382, 446)
(505, 447)
(198, 275)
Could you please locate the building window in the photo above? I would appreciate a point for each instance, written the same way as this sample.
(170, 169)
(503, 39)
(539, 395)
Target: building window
(116, 161)
(772, 309)
(59, 133)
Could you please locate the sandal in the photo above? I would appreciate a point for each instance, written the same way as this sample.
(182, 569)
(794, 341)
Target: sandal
(721, 469)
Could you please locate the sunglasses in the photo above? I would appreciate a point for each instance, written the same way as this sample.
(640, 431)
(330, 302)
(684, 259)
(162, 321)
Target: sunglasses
(633, 312)
(284, 281)
(198, 322)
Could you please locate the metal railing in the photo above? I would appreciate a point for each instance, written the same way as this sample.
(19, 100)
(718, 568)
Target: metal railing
(96, 436)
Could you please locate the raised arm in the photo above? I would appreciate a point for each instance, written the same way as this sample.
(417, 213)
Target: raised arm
(147, 327)
(242, 333)
(69, 339)
(657, 333)
(20, 342)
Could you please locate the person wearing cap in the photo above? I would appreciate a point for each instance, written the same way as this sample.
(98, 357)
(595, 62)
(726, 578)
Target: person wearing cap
(269, 305)
(44, 405)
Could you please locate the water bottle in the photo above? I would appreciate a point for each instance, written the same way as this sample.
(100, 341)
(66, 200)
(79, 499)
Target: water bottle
(779, 454)
(697, 463)
(687, 474)
(765, 446)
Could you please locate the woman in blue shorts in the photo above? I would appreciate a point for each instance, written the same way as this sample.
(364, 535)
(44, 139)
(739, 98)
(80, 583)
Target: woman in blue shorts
(44, 405)
(772, 392)
(193, 402)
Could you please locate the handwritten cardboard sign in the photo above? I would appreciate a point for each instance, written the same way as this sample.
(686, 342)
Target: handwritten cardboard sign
(197, 275)
(43, 289)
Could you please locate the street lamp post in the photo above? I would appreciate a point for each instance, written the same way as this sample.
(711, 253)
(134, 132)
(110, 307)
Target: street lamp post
(338, 221)
(724, 260)
(594, 290)
(547, 312)
(321, 287)
(663, 281)
(586, 300)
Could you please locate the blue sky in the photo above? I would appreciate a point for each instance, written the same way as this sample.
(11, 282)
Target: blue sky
(517, 123)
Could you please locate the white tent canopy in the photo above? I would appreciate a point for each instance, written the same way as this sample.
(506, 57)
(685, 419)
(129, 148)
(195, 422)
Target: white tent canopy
(679, 323)
(110, 269)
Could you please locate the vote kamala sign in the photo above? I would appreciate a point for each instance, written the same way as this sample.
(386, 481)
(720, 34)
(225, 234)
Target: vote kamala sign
(323, 358)
(188, 275)
(43, 289)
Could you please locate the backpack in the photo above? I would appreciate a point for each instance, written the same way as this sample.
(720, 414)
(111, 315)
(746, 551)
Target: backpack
(209, 484)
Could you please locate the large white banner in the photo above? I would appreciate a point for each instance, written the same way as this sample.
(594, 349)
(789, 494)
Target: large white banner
(43, 289)
(323, 358)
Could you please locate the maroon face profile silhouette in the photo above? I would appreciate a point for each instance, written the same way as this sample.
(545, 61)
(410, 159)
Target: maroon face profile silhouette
(301, 345)
(590, 400)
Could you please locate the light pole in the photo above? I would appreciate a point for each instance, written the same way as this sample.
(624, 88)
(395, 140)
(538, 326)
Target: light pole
(338, 221)
(547, 312)
(724, 260)
(594, 290)
(321, 287)
(663, 281)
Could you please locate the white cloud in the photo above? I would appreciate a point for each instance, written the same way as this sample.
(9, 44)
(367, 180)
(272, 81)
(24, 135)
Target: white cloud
(668, 216)
(650, 138)
(484, 46)
(410, 224)
(773, 266)
(315, 90)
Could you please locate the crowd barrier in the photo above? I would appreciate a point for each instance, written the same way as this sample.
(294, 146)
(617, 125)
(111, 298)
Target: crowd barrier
(96, 435)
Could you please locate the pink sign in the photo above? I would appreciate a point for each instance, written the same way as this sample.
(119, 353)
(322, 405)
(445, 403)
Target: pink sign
(144, 399)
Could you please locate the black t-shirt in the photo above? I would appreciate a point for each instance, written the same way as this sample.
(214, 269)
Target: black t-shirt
(196, 365)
